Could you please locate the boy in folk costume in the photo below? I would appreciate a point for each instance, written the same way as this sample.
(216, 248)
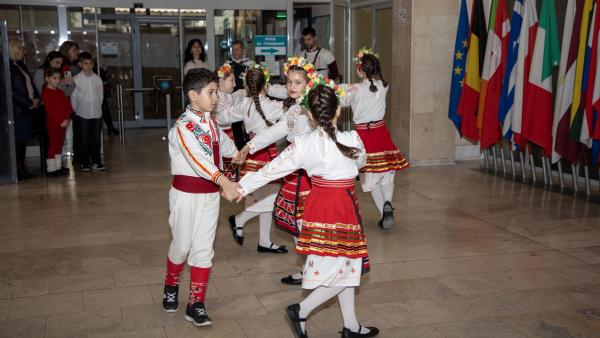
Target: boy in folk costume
(367, 100)
(196, 144)
(331, 235)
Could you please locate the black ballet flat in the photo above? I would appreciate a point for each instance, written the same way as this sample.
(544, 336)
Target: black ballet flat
(387, 221)
(281, 250)
(292, 314)
(346, 333)
(290, 280)
(239, 239)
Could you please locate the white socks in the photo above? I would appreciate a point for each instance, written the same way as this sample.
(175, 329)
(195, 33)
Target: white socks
(264, 240)
(319, 296)
(242, 218)
(387, 191)
(378, 198)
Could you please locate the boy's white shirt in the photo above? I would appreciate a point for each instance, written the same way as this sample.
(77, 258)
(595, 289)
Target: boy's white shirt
(190, 146)
(87, 97)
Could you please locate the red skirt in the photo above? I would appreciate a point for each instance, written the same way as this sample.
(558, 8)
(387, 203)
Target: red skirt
(254, 162)
(229, 167)
(382, 154)
(289, 205)
(331, 223)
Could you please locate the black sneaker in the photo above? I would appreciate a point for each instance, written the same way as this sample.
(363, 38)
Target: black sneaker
(98, 167)
(387, 221)
(170, 302)
(85, 167)
(196, 313)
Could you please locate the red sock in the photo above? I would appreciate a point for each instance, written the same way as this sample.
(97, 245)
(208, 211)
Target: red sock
(198, 284)
(173, 273)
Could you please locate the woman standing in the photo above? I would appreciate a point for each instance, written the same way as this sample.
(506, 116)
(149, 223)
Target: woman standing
(195, 56)
(25, 99)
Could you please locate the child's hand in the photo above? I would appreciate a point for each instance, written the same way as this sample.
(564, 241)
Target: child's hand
(229, 189)
(242, 155)
(68, 81)
(65, 123)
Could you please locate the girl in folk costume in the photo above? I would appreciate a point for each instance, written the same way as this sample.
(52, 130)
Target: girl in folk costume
(196, 145)
(331, 234)
(228, 98)
(289, 204)
(257, 112)
(367, 100)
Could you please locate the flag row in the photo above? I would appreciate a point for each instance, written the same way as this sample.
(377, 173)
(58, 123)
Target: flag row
(502, 78)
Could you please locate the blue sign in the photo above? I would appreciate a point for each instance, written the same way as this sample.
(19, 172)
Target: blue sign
(270, 45)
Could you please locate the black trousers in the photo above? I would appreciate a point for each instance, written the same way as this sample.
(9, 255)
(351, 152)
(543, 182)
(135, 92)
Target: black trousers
(106, 116)
(87, 135)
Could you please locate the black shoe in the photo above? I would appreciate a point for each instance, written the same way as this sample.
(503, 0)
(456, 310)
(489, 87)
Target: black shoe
(65, 171)
(292, 314)
(85, 167)
(281, 250)
(24, 175)
(98, 166)
(346, 333)
(387, 221)
(196, 313)
(112, 132)
(170, 302)
(239, 239)
(55, 173)
(290, 280)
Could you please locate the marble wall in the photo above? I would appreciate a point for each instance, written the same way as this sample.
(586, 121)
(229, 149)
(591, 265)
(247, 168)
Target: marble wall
(423, 46)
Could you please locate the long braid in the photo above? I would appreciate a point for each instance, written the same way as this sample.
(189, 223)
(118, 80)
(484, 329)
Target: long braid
(323, 106)
(372, 69)
(255, 81)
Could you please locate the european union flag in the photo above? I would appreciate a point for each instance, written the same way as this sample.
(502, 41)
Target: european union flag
(459, 65)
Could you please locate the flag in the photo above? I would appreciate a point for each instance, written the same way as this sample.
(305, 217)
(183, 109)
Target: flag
(492, 74)
(522, 37)
(460, 61)
(589, 85)
(537, 119)
(469, 98)
(566, 80)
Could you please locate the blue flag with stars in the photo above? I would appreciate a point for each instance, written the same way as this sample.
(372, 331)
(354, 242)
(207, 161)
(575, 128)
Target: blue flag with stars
(460, 61)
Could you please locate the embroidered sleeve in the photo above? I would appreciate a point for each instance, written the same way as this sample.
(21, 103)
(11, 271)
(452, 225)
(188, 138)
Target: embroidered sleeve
(278, 91)
(351, 91)
(273, 109)
(226, 145)
(287, 162)
(269, 135)
(196, 147)
(226, 112)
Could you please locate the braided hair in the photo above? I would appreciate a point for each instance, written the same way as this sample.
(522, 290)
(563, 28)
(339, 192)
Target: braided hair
(288, 102)
(323, 105)
(372, 69)
(255, 82)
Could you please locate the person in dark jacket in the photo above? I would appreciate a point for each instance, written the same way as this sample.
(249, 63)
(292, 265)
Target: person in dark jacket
(25, 99)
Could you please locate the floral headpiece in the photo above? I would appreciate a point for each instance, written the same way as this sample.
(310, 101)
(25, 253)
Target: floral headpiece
(303, 63)
(362, 52)
(224, 71)
(265, 72)
(319, 80)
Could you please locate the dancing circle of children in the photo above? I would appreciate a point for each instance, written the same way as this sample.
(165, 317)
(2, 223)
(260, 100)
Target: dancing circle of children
(257, 112)
(331, 236)
(367, 99)
(196, 147)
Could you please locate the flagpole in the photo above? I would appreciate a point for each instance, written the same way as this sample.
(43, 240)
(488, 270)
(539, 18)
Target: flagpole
(495, 158)
(561, 179)
(588, 188)
(486, 160)
(502, 158)
(544, 171)
(523, 170)
(574, 177)
(530, 157)
(512, 162)
(549, 166)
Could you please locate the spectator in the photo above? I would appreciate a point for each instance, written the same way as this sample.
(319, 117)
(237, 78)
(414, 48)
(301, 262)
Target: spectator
(321, 58)
(54, 59)
(195, 56)
(25, 99)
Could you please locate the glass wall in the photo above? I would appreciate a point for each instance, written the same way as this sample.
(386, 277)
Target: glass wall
(40, 33)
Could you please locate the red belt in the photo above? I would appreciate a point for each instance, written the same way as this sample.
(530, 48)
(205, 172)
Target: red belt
(194, 185)
(369, 125)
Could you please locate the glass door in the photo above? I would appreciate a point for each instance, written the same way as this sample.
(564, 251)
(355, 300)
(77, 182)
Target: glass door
(158, 49)
(383, 46)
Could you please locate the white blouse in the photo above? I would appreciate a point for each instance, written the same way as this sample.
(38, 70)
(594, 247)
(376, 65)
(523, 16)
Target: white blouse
(194, 64)
(315, 152)
(367, 106)
(246, 111)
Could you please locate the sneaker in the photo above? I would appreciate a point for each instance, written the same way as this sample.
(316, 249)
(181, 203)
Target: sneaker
(196, 313)
(170, 302)
(98, 167)
(85, 167)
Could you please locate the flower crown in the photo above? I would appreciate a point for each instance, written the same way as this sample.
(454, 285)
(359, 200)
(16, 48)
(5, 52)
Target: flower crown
(319, 80)
(362, 52)
(224, 70)
(300, 62)
(265, 72)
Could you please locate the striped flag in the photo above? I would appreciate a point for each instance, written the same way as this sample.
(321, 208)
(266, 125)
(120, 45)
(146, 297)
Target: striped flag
(588, 86)
(522, 36)
(493, 73)
(537, 117)
(469, 98)
(460, 61)
(566, 80)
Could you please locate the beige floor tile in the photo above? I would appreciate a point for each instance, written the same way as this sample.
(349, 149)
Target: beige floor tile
(143, 333)
(555, 324)
(112, 299)
(84, 323)
(413, 312)
(250, 284)
(144, 276)
(479, 306)
(4, 308)
(81, 282)
(46, 305)
(220, 329)
(23, 288)
(228, 307)
(30, 327)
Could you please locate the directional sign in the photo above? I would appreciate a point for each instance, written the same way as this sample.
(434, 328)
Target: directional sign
(270, 45)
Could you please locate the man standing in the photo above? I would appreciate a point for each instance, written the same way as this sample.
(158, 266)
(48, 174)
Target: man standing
(321, 58)
(238, 62)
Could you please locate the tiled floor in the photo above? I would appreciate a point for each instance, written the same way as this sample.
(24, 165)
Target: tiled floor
(471, 256)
